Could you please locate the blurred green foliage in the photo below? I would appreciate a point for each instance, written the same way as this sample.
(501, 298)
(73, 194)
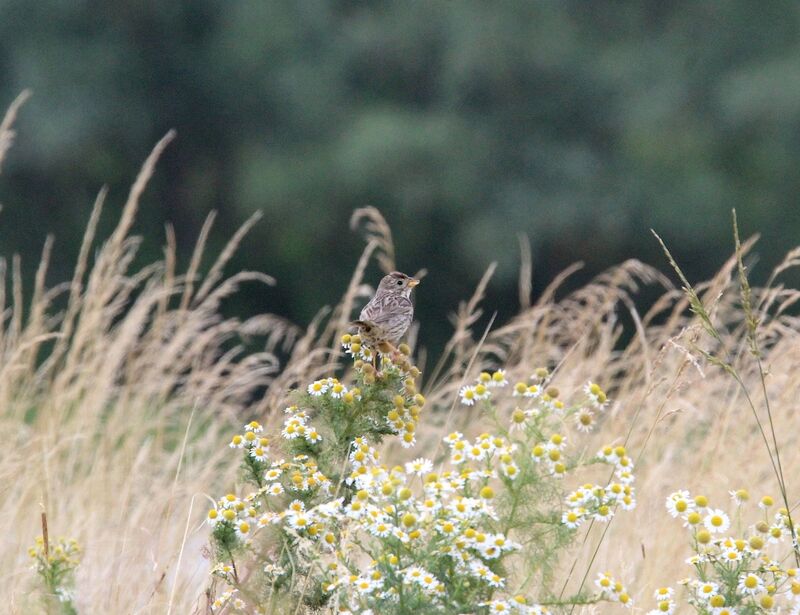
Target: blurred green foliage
(580, 124)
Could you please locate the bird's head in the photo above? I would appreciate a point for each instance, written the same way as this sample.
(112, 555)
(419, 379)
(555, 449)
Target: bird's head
(398, 283)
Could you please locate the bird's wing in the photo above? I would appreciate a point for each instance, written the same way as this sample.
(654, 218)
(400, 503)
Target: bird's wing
(383, 309)
(369, 311)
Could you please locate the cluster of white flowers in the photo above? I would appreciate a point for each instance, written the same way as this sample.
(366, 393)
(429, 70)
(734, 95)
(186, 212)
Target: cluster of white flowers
(228, 598)
(665, 603)
(597, 396)
(296, 425)
(735, 574)
(353, 347)
(538, 399)
(239, 514)
(491, 452)
(481, 390)
(550, 454)
(613, 590)
(243, 517)
(442, 521)
(598, 502)
(433, 536)
(515, 605)
(251, 440)
(302, 475)
(333, 388)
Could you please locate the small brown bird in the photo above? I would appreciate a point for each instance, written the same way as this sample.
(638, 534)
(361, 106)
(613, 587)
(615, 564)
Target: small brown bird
(386, 318)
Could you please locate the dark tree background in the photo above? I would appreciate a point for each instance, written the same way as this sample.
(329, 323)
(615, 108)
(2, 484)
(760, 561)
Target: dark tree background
(580, 124)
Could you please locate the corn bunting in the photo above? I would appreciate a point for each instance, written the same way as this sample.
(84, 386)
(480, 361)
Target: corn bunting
(387, 316)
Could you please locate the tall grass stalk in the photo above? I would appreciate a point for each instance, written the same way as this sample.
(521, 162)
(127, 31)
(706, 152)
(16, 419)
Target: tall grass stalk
(723, 360)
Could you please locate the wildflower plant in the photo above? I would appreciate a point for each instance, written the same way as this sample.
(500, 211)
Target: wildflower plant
(55, 564)
(329, 525)
(737, 569)
(723, 357)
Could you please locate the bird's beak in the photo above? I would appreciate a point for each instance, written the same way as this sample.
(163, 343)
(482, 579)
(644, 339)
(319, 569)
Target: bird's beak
(413, 282)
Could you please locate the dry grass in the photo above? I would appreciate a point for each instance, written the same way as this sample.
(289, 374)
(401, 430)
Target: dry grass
(119, 388)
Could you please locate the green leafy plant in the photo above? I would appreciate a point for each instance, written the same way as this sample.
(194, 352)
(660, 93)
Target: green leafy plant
(55, 563)
(333, 527)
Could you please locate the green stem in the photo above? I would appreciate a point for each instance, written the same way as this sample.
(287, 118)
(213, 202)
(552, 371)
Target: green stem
(781, 481)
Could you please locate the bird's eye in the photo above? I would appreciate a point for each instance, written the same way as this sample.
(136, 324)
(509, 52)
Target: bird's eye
(399, 282)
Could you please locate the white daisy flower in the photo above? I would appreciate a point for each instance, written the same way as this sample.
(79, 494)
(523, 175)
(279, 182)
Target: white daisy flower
(717, 520)
(740, 496)
(365, 585)
(275, 489)
(603, 513)
(467, 395)
(775, 533)
(475, 452)
(272, 474)
(299, 521)
(750, 584)
(596, 395)
(481, 391)
(254, 426)
(452, 438)
(572, 518)
(626, 477)
(628, 502)
(498, 607)
(312, 436)
(511, 470)
(419, 466)
(408, 440)
(259, 454)
(532, 392)
(498, 379)
(585, 420)
(243, 529)
(495, 580)
(707, 590)
(457, 457)
(680, 503)
(213, 517)
(414, 574)
(337, 390)
(318, 388)
(428, 582)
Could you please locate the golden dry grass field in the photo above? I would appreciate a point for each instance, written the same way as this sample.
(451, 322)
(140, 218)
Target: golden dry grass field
(120, 388)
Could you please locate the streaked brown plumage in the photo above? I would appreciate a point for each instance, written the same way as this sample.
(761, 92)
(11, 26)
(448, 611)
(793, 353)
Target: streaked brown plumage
(373, 337)
(386, 318)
